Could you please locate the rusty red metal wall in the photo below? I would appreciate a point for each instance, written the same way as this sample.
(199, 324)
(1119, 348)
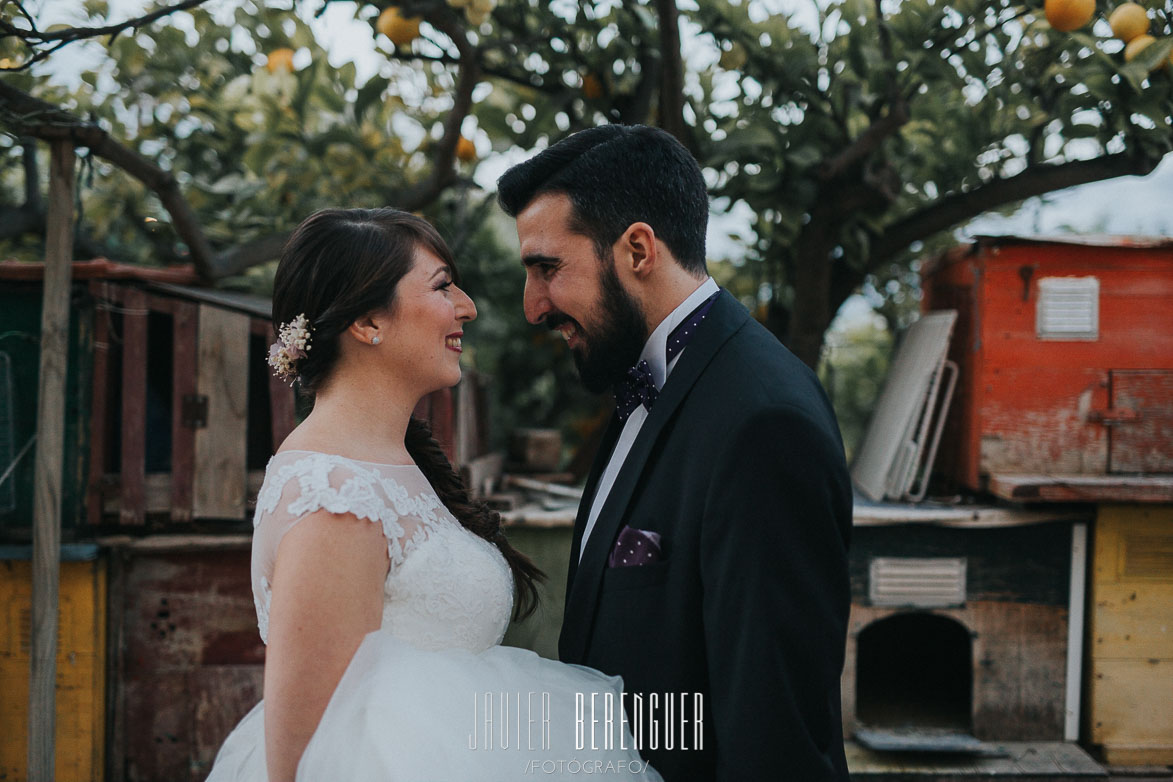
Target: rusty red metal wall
(1027, 405)
(186, 660)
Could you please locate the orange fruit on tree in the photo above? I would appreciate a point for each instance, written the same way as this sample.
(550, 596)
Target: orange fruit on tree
(1137, 45)
(733, 58)
(401, 30)
(280, 60)
(1068, 15)
(466, 150)
(592, 87)
(1128, 21)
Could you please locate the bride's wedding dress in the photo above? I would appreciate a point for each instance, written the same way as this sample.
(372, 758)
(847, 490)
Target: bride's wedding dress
(431, 695)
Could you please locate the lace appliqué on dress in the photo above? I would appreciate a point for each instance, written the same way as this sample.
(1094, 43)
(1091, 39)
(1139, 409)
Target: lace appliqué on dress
(465, 578)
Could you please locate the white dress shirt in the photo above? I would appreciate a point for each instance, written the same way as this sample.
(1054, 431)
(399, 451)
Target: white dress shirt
(654, 352)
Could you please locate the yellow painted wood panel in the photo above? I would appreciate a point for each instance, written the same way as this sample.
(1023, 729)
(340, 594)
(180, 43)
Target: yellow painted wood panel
(1133, 621)
(1132, 703)
(219, 489)
(81, 670)
(1130, 686)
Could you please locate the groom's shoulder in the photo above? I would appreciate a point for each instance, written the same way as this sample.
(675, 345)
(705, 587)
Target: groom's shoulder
(753, 372)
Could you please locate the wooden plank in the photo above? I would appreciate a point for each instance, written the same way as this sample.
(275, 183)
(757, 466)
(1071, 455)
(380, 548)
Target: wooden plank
(1133, 704)
(99, 400)
(134, 407)
(158, 492)
(116, 670)
(50, 455)
(183, 384)
(221, 447)
(1133, 621)
(869, 514)
(185, 542)
(1081, 488)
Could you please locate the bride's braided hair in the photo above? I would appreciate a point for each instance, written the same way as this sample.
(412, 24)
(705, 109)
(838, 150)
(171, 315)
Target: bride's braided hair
(341, 264)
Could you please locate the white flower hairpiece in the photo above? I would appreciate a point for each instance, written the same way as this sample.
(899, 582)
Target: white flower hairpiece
(293, 343)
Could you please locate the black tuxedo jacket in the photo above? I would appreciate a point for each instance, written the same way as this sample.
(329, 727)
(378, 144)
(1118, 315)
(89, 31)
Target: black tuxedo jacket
(740, 468)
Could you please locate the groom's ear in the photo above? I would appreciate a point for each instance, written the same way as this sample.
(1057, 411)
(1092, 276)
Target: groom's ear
(636, 249)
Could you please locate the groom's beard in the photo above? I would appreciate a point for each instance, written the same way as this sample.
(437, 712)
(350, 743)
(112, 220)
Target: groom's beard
(607, 352)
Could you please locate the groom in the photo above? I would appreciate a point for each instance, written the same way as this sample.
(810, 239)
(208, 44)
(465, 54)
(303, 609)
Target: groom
(710, 548)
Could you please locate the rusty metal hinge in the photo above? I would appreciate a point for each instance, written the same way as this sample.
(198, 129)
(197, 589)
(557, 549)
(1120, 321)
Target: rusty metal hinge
(194, 412)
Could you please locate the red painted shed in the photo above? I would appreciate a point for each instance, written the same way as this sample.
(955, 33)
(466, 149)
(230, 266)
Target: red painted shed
(1065, 349)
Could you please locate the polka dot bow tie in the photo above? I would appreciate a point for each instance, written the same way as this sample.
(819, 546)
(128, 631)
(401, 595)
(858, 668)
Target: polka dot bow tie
(638, 387)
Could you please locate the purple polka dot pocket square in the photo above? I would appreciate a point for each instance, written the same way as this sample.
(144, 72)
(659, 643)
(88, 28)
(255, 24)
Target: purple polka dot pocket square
(635, 547)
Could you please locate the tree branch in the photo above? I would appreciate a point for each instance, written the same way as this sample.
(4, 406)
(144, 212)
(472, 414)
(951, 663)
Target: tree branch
(443, 167)
(32, 179)
(1037, 180)
(671, 103)
(867, 142)
(33, 117)
(893, 119)
(32, 37)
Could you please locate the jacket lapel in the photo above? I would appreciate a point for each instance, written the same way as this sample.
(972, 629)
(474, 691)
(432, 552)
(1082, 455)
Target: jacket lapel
(726, 316)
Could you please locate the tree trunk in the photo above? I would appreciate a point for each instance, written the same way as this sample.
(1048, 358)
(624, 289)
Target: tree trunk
(811, 314)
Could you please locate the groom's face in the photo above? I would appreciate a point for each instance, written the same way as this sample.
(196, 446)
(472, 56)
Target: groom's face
(570, 289)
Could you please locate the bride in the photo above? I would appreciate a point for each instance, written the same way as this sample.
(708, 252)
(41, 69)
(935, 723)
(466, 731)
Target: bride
(382, 591)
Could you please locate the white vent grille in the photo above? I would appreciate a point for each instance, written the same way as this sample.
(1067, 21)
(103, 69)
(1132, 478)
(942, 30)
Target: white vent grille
(921, 581)
(1068, 308)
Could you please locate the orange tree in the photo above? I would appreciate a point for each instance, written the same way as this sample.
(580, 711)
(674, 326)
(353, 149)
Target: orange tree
(856, 133)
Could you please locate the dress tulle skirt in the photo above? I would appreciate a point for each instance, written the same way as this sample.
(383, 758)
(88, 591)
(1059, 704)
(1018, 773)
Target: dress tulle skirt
(403, 714)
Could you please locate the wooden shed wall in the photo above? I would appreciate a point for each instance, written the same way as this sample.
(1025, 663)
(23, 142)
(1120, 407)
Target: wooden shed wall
(1130, 672)
(1023, 403)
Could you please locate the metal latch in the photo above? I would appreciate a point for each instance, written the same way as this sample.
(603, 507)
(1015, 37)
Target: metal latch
(194, 412)
(1113, 416)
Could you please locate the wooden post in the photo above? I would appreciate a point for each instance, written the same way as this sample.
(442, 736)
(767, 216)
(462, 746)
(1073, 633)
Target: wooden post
(50, 462)
(183, 386)
(132, 472)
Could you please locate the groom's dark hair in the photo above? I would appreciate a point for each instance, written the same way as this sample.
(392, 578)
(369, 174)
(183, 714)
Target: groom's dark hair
(616, 175)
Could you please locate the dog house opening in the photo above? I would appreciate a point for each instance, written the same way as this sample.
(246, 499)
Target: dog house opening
(915, 671)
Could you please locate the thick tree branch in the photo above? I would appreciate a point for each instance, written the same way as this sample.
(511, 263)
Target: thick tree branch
(30, 116)
(867, 142)
(1037, 180)
(671, 104)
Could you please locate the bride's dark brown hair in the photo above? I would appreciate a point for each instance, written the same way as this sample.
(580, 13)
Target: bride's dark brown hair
(341, 264)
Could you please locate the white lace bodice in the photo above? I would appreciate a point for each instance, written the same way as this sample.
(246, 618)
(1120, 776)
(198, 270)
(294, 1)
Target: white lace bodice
(446, 587)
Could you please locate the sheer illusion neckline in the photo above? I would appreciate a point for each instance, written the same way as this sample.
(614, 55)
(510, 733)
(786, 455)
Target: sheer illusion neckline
(347, 458)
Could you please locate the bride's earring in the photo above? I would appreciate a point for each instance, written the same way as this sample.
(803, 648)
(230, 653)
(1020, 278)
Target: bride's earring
(375, 340)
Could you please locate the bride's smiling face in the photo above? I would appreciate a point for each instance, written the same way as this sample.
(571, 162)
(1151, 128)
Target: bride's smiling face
(423, 329)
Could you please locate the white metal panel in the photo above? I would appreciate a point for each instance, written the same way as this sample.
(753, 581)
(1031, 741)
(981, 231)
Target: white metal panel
(1075, 611)
(1068, 308)
(917, 581)
(886, 464)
